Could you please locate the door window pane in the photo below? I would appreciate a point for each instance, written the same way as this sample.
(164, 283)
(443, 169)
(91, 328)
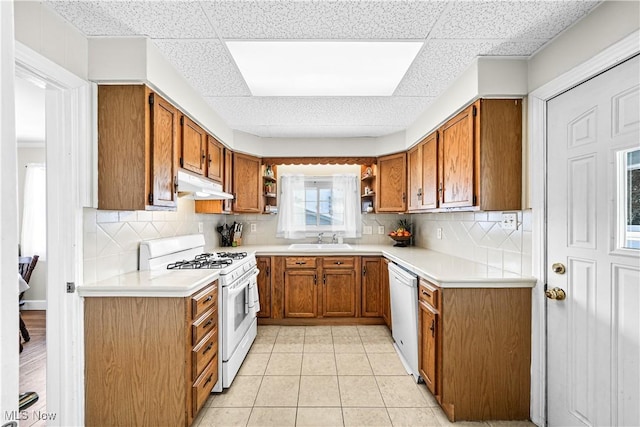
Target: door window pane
(631, 199)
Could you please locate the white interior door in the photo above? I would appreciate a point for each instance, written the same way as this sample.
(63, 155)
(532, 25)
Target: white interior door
(593, 335)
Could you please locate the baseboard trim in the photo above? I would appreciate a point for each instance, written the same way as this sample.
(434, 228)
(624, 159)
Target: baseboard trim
(34, 304)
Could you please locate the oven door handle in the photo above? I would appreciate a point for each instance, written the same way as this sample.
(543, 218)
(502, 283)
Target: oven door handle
(246, 300)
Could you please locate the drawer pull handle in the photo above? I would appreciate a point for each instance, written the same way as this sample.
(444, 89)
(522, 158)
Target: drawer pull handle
(209, 323)
(209, 298)
(427, 294)
(301, 262)
(208, 380)
(433, 328)
(338, 262)
(209, 347)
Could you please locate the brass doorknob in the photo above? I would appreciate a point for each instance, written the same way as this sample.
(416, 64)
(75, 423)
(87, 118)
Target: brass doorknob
(558, 268)
(555, 293)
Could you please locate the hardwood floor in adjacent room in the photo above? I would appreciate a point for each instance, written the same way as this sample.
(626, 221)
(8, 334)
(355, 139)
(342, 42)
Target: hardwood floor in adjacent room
(33, 367)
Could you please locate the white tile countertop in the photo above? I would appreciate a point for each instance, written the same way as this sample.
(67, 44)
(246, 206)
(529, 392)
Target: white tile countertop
(444, 270)
(151, 283)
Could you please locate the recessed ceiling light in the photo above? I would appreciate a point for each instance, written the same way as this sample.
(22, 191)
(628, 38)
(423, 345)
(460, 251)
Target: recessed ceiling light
(302, 68)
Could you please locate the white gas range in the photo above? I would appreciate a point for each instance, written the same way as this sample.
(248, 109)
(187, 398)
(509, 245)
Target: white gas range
(238, 300)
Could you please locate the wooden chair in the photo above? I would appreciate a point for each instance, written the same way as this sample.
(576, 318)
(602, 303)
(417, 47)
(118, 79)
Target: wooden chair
(26, 265)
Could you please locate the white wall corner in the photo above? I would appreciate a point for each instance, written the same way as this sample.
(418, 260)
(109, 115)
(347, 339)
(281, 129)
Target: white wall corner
(502, 76)
(118, 59)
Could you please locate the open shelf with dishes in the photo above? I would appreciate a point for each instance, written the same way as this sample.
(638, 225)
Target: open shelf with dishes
(368, 188)
(270, 189)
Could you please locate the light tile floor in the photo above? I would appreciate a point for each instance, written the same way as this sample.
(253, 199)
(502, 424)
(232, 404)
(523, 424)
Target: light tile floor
(326, 376)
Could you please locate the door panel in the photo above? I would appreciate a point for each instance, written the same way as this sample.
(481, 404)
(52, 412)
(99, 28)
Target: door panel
(300, 293)
(339, 293)
(165, 120)
(593, 335)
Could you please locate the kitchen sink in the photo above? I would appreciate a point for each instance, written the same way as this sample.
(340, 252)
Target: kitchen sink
(320, 247)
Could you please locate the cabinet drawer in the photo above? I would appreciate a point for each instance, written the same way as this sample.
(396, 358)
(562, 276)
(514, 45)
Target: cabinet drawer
(204, 300)
(203, 352)
(300, 262)
(204, 384)
(338, 262)
(429, 293)
(203, 325)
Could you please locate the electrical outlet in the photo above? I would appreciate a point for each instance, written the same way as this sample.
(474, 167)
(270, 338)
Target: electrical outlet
(200, 227)
(254, 228)
(367, 229)
(439, 233)
(509, 221)
(381, 229)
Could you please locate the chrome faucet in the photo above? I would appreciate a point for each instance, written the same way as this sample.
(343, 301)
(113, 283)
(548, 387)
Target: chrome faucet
(320, 238)
(334, 239)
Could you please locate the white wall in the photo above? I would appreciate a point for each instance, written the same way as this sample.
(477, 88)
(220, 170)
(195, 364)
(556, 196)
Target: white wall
(47, 33)
(609, 22)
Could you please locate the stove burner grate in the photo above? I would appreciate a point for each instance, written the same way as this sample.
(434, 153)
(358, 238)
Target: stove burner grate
(232, 255)
(200, 263)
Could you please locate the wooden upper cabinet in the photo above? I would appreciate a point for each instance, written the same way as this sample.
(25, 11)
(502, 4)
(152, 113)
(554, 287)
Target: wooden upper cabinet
(498, 137)
(456, 160)
(422, 178)
(392, 183)
(247, 183)
(137, 140)
(480, 157)
(215, 159)
(227, 184)
(193, 145)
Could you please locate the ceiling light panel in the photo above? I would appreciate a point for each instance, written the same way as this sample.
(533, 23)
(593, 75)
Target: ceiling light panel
(300, 68)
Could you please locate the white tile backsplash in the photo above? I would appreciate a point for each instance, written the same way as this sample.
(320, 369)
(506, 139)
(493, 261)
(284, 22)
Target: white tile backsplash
(112, 238)
(478, 236)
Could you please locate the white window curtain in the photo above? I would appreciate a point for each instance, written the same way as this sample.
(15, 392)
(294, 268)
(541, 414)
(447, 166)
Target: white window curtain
(33, 238)
(291, 218)
(299, 217)
(347, 201)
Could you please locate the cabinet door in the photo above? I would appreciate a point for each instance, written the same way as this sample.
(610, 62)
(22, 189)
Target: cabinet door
(264, 285)
(392, 183)
(194, 145)
(384, 292)
(456, 160)
(246, 183)
(414, 178)
(371, 295)
(300, 293)
(429, 160)
(164, 135)
(227, 205)
(428, 334)
(339, 292)
(215, 159)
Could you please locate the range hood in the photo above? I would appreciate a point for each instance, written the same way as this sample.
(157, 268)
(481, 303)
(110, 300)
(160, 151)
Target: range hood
(199, 188)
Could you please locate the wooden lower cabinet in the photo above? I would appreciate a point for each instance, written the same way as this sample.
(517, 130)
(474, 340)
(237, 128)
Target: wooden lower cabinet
(339, 292)
(385, 295)
(149, 361)
(330, 289)
(264, 285)
(371, 289)
(475, 350)
(301, 293)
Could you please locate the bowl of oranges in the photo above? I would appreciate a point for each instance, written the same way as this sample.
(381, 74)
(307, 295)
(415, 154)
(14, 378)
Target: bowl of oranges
(402, 234)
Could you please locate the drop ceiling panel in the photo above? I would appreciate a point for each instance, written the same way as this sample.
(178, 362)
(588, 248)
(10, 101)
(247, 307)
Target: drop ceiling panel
(192, 34)
(511, 20)
(207, 66)
(441, 61)
(320, 111)
(323, 19)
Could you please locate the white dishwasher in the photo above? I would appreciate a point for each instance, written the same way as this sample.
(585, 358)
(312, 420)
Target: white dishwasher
(404, 315)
